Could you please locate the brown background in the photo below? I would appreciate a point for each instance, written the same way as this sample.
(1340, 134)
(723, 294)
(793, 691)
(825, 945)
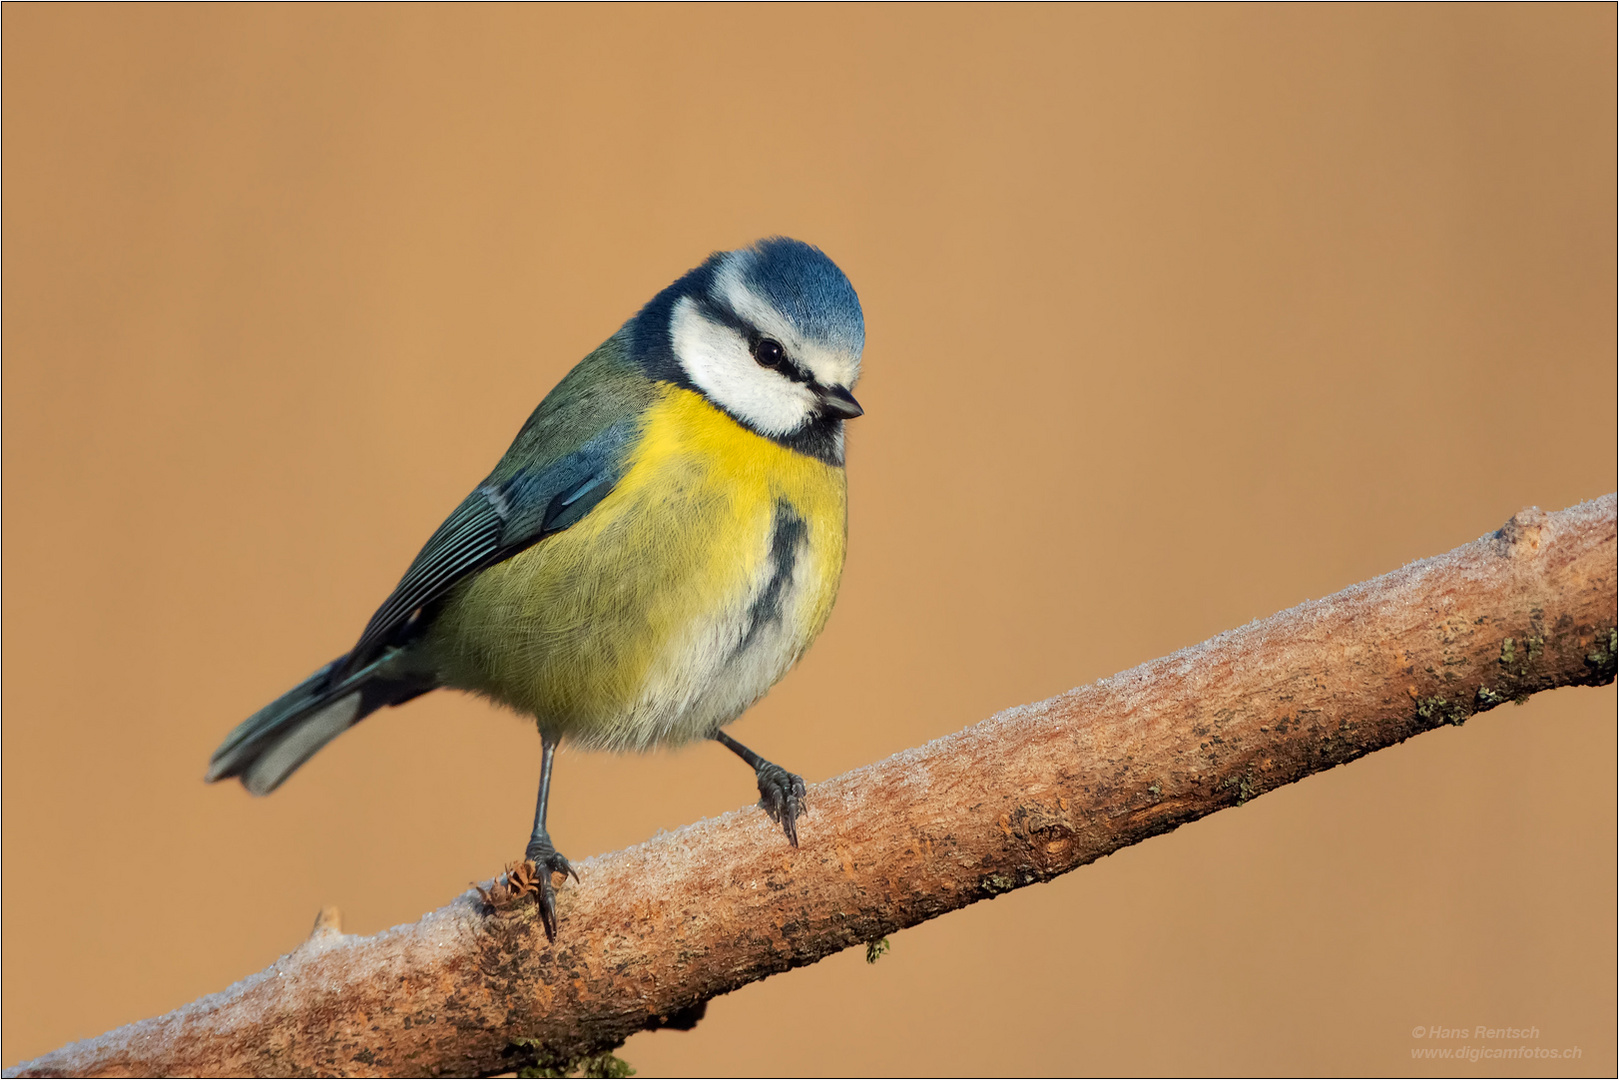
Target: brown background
(1177, 317)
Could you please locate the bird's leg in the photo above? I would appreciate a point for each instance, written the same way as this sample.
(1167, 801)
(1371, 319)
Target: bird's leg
(781, 793)
(547, 860)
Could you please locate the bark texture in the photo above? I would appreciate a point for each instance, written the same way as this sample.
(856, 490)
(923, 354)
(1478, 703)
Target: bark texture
(651, 933)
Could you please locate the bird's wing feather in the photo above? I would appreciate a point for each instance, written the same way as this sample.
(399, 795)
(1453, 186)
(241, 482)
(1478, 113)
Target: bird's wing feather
(514, 508)
(469, 536)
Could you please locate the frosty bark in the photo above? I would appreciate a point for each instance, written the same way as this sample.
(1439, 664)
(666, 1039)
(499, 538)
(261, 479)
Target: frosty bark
(651, 933)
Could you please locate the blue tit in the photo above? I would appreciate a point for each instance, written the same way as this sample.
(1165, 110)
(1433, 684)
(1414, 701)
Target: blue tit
(660, 544)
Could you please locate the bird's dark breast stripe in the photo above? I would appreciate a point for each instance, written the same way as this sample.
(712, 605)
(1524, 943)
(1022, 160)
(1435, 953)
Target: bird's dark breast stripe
(786, 534)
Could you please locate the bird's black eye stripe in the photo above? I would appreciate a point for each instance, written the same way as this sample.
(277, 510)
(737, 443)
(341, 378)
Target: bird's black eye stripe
(758, 344)
(768, 352)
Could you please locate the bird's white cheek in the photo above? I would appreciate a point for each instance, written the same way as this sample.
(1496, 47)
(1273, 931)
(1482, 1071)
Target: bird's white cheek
(717, 361)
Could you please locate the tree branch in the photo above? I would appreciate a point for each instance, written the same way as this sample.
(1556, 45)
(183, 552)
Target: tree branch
(651, 933)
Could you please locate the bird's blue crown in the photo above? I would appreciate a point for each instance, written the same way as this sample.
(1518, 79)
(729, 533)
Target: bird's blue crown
(807, 288)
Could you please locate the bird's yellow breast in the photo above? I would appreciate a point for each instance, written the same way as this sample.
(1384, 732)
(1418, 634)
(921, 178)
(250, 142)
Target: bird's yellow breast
(675, 603)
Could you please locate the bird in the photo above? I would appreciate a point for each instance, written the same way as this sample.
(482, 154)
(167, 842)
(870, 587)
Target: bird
(660, 544)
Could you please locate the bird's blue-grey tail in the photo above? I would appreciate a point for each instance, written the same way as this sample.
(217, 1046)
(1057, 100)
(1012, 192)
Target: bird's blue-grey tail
(268, 746)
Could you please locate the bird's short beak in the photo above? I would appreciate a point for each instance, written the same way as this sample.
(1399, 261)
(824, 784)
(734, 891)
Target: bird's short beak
(838, 402)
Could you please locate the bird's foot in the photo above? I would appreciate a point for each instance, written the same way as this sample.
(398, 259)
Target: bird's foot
(547, 861)
(531, 877)
(781, 795)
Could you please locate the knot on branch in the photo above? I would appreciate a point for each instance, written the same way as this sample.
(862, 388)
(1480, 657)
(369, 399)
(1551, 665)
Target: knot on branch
(327, 931)
(1520, 537)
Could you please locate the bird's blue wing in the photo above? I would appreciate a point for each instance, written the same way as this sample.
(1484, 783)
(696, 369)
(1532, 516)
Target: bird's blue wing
(516, 507)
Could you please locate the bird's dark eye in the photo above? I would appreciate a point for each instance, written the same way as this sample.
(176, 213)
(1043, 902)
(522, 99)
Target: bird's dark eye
(768, 352)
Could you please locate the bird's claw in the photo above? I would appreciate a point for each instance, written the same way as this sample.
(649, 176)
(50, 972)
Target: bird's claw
(547, 862)
(781, 795)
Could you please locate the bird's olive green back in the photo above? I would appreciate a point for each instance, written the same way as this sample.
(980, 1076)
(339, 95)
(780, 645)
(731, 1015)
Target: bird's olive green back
(564, 461)
(605, 388)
